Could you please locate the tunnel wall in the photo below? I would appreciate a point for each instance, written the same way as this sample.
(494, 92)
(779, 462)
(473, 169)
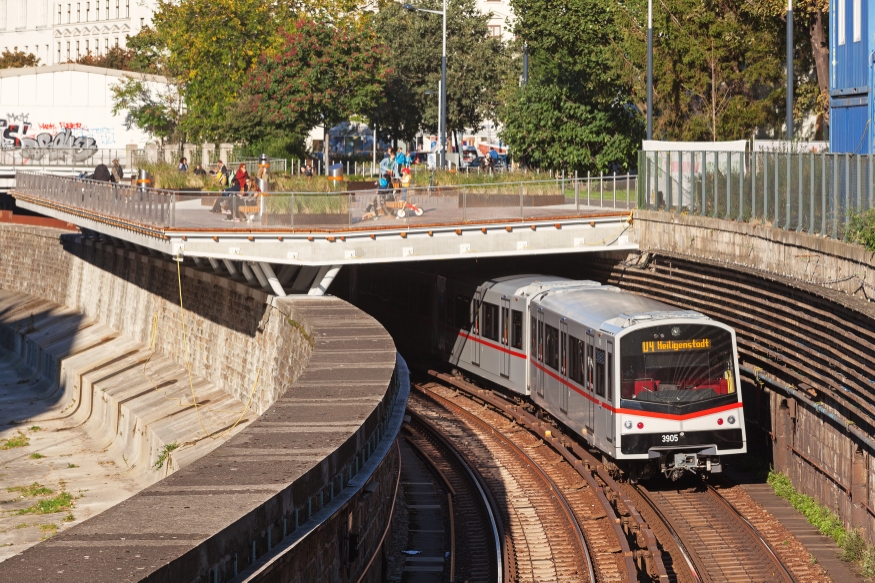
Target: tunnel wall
(281, 497)
(800, 306)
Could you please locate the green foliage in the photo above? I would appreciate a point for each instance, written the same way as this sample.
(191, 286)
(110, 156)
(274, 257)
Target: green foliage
(157, 112)
(476, 66)
(854, 547)
(549, 127)
(36, 456)
(32, 491)
(60, 503)
(320, 75)
(861, 229)
(118, 58)
(165, 455)
(210, 46)
(819, 516)
(17, 59)
(574, 113)
(19, 440)
(35, 428)
(718, 67)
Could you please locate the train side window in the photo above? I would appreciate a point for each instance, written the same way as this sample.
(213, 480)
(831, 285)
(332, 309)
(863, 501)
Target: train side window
(462, 312)
(516, 329)
(534, 337)
(576, 359)
(563, 352)
(551, 346)
(610, 376)
(490, 321)
(588, 380)
(600, 377)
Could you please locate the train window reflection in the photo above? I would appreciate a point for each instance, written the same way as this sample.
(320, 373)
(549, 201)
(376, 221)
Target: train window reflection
(551, 346)
(490, 321)
(687, 373)
(516, 330)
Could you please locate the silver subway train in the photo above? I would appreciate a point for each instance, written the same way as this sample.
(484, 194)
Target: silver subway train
(652, 387)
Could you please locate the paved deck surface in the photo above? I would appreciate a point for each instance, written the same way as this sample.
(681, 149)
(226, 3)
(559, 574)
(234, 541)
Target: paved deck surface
(823, 548)
(346, 379)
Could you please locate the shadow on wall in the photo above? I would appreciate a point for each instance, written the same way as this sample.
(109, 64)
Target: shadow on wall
(35, 340)
(241, 314)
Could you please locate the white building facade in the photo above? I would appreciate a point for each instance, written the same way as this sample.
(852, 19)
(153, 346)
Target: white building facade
(58, 32)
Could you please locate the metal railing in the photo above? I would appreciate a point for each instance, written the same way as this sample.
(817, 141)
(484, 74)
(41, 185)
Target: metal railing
(387, 208)
(817, 193)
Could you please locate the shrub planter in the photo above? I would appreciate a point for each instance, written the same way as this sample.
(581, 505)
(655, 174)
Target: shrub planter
(304, 219)
(496, 200)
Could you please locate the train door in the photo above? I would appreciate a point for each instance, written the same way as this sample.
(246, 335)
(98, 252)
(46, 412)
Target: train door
(539, 370)
(589, 383)
(563, 365)
(475, 327)
(504, 366)
(609, 392)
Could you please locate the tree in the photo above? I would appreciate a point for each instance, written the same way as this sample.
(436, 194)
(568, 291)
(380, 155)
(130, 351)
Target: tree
(210, 46)
(321, 74)
(575, 112)
(116, 58)
(159, 112)
(476, 65)
(17, 59)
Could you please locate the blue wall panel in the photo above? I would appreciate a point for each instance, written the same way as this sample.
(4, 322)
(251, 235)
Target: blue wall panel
(847, 127)
(850, 92)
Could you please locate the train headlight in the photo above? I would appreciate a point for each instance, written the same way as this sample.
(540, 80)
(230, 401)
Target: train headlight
(720, 421)
(627, 424)
(731, 419)
(640, 425)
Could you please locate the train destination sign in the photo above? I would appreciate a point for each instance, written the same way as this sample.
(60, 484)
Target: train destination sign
(675, 345)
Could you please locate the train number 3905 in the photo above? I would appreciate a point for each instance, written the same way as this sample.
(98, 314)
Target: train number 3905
(669, 438)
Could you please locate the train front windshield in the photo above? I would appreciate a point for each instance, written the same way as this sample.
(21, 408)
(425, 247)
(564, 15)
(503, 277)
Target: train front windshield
(678, 368)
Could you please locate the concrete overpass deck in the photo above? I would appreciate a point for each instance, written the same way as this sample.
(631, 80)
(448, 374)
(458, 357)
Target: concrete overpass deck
(296, 243)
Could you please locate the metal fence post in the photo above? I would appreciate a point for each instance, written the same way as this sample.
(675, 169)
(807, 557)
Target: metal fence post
(464, 205)
(615, 189)
(777, 172)
(728, 184)
(765, 186)
(292, 212)
(858, 160)
(601, 190)
(741, 165)
(835, 195)
(576, 193)
(587, 189)
(811, 192)
(789, 187)
(680, 180)
(823, 166)
(703, 208)
(847, 183)
(715, 182)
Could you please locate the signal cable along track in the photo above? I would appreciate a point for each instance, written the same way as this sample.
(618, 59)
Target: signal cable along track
(720, 545)
(543, 540)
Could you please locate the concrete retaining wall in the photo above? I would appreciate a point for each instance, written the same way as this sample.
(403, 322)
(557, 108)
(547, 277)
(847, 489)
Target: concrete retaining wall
(801, 306)
(326, 388)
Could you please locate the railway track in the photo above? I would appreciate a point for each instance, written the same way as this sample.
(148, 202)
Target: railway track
(472, 517)
(543, 540)
(717, 543)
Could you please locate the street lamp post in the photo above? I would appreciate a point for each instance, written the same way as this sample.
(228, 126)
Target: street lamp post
(650, 69)
(442, 121)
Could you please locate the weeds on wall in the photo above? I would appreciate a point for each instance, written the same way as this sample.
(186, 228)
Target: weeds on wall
(854, 548)
(165, 455)
(861, 229)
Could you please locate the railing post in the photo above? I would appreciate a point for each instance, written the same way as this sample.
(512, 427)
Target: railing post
(835, 196)
(615, 189)
(464, 205)
(669, 194)
(789, 190)
(858, 163)
(703, 208)
(811, 193)
(823, 167)
(766, 186)
(292, 212)
(777, 172)
(728, 184)
(715, 182)
(741, 165)
(522, 214)
(799, 218)
(847, 183)
(680, 180)
(587, 189)
(601, 190)
(576, 193)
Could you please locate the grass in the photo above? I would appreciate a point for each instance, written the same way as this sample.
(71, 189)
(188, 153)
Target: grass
(36, 456)
(861, 229)
(72, 466)
(165, 455)
(854, 548)
(35, 428)
(31, 491)
(19, 440)
(61, 503)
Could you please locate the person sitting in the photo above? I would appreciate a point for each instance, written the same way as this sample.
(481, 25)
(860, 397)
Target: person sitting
(199, 171)
(307, 170)
(222, 173)
(238, 184)
(101, 174)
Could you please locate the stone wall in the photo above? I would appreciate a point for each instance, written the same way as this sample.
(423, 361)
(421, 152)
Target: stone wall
(316, 466)
(801, 307)
(232, 336)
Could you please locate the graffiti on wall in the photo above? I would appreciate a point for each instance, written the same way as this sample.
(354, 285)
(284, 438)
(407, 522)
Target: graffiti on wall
(50, 142)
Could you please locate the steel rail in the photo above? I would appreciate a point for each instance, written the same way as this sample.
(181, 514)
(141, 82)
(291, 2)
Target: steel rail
(754, 532)
(560, 497)
(627, 521)
(489, 502)
(671, 531)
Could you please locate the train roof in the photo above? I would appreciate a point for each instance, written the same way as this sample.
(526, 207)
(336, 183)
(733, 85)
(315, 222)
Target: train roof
(609, 308)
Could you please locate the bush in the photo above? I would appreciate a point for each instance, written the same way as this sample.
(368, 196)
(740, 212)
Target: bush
(861, 229)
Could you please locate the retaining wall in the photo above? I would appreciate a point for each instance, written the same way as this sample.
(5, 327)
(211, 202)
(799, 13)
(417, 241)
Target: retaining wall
(289, 482)
(800, 306)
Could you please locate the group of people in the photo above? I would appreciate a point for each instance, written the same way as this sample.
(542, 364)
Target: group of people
(183, 167)
(104, 174)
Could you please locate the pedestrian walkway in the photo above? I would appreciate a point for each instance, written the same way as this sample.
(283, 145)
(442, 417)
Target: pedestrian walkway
(823, 548)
